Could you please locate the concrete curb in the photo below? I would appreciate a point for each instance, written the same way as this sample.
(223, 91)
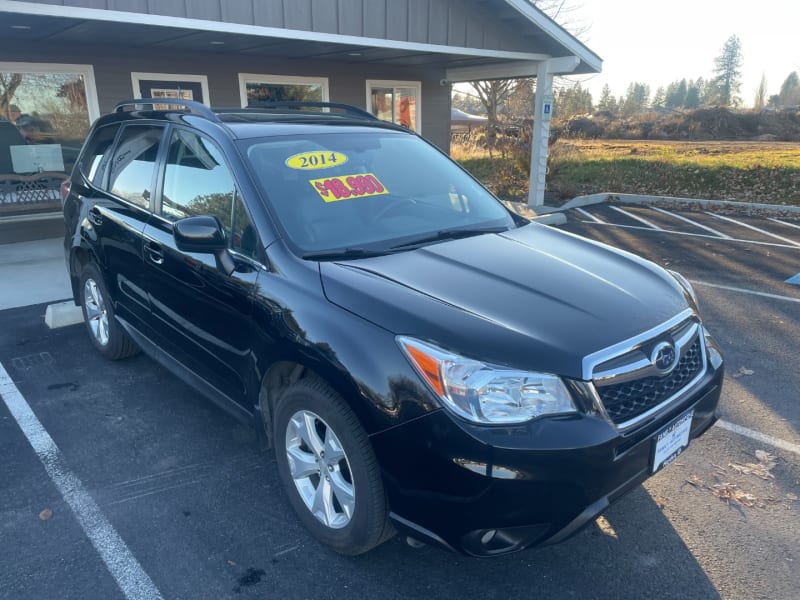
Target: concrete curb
(62, 314)
(579, 201)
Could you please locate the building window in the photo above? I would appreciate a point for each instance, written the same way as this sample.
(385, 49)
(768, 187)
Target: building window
(45, 113)
(170, 85)
(255, 90)
(395, 101)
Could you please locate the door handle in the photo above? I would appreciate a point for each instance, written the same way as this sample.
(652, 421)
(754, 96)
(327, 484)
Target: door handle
(154, 253)
(95, 217)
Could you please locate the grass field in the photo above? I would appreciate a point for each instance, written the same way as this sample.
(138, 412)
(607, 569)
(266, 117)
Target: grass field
(763, 172)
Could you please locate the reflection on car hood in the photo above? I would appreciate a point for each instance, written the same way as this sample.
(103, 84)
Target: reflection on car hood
(532, 297)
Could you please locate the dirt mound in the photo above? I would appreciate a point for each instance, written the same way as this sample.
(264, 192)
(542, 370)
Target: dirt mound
(701, 124)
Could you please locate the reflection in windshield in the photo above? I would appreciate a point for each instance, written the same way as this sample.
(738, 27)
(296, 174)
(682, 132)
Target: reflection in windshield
(368, 191)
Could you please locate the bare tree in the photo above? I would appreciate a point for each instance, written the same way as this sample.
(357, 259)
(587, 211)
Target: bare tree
(9, 82)
(493, 94)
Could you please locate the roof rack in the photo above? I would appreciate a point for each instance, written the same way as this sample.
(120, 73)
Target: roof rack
(198, 108)
(191, 106)
(269, 106)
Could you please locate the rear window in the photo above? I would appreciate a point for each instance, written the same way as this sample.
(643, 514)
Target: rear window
(97, 154)
(343, 190)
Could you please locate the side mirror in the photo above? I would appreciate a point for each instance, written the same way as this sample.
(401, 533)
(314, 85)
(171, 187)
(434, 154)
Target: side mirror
(204, 234)
(199, 234)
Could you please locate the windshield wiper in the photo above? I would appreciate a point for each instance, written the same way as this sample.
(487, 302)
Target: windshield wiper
(354, 252)
(449, 234)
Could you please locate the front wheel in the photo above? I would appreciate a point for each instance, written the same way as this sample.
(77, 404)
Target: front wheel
(328, 468)
(106, 334)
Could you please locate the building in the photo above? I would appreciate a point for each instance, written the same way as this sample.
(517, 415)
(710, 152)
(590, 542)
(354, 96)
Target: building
(65, 62)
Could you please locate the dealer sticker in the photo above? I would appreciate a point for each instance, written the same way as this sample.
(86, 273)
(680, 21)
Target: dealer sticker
(332, 189)
(307, 161)
(671, 441)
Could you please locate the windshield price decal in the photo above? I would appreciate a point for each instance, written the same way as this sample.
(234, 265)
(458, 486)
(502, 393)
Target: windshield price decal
(332, 189)
(306, 161)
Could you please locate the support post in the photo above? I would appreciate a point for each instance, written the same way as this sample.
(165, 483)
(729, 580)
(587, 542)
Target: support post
(543, 105)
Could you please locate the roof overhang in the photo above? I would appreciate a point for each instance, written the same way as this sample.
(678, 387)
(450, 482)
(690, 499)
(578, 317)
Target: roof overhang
(36, 23)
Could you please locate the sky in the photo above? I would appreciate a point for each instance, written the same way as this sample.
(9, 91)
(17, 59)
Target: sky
(661, 42)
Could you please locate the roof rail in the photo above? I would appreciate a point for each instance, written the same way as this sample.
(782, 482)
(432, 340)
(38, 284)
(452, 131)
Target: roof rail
(347, 108)
(192, 106)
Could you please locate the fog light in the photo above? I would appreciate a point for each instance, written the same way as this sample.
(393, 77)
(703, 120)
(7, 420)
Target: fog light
(487, 537)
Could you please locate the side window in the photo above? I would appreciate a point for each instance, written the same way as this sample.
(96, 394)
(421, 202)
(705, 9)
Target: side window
(197, 181)
(97, 154)
(134, 163)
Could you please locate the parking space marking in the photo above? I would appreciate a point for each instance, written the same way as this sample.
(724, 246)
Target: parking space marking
(691, 222)
(760, 437)
(731, 288)
(589, 215)
(123, 566)
(637, 218)
(700, 235)
(795, 225)
(754, 228)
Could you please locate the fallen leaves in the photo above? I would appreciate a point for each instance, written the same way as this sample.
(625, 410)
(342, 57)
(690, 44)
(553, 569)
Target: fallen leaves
(743, 371)
(731, 492)
(45, 514)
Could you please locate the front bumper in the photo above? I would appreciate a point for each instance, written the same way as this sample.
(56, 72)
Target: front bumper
(493, 490)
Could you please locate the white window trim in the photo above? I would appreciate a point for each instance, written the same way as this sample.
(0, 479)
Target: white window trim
(245, 78)
(92, 105)
(137, 77)
(386, 83)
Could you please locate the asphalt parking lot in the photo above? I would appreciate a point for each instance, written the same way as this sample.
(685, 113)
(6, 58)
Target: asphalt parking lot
(127, 484)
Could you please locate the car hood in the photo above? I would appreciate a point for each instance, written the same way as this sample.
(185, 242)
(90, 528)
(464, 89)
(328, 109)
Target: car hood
(531, 298)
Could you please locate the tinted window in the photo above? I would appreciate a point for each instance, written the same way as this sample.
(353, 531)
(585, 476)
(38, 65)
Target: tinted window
(197, 181)
(97, 154)
(134, 163)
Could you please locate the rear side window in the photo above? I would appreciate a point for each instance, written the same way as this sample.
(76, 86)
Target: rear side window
(134, 162)
(97, 154)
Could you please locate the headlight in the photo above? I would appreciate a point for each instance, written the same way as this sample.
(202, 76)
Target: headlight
(485, 393)
(684, 283)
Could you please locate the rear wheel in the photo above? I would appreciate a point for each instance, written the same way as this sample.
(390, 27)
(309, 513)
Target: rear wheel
(328, 468)
(106, 334)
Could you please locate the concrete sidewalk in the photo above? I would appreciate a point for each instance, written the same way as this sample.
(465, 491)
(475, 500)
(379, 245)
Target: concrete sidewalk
(33, 273)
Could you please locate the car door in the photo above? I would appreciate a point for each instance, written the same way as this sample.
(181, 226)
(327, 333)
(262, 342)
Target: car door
(202, 313)
(117, 205)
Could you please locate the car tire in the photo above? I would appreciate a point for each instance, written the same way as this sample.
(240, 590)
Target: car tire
(106, 334)
(328, 468)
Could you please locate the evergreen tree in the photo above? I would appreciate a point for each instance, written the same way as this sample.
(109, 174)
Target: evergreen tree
(695, 93)
(728, 80)
(637, 99)
(790, 91)
(761, 94)
(659, 100)
(573, 100)
(607, 102)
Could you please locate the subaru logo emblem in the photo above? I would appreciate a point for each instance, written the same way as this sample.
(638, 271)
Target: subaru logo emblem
(664, 358)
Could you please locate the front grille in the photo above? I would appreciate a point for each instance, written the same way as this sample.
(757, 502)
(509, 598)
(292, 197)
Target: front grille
(628, 400)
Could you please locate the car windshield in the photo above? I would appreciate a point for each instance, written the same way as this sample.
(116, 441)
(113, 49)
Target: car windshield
(356, 194)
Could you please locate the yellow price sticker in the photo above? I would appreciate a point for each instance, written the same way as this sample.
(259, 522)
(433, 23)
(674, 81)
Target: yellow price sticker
(307, 161)
(361, 185)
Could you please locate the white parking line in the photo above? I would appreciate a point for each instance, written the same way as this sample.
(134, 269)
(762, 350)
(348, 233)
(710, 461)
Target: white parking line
(744, 291)
(700, 235)
(795, 225)
(123, 566)
(759, 437)
(748, 226)
(637, 218)
(589, 215)
(695, 223)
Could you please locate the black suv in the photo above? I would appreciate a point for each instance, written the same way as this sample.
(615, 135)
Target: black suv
(420, 357)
